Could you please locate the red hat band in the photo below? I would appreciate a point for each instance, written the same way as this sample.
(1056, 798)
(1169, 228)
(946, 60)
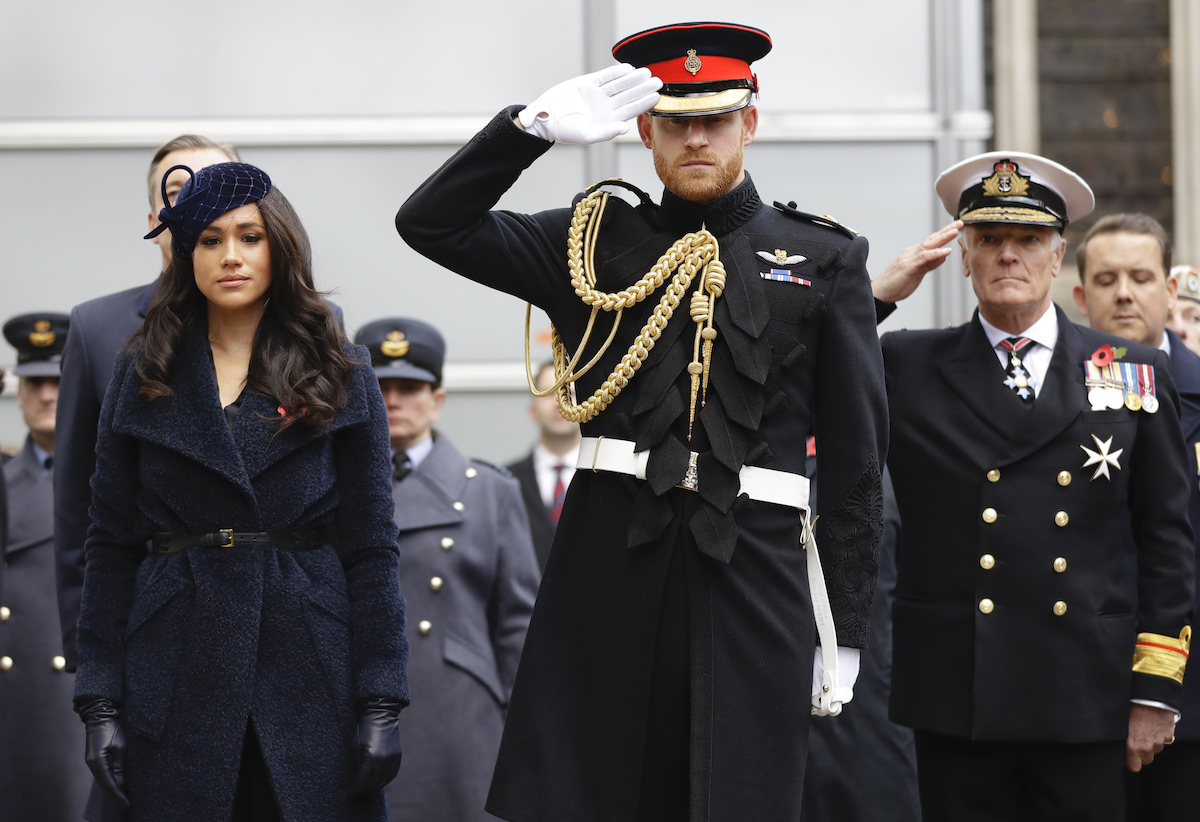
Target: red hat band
(694, 68)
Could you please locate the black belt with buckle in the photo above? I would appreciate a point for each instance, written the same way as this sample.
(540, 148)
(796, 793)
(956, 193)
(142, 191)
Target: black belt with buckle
(166, 542)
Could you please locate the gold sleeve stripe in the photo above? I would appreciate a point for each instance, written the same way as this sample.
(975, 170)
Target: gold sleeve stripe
(1162, 655)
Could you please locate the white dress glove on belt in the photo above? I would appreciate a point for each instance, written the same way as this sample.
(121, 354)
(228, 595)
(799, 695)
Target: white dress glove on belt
(847, 670)
(592, 108)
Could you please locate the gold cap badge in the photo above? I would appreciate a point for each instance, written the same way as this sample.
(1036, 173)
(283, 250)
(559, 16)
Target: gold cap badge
(42, 336)
(1006, 181)
(692, 63)
(395, 345)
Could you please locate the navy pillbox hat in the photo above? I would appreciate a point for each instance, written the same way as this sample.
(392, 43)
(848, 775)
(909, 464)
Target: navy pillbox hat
(208, 193)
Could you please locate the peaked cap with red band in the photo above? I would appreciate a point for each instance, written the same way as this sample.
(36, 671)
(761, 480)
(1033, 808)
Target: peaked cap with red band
(705, 67)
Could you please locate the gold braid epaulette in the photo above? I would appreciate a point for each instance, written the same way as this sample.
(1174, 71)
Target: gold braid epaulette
(1163, 655)
(693, 252)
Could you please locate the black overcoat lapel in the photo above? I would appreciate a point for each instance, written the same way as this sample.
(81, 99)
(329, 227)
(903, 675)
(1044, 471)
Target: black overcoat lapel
(191, 422)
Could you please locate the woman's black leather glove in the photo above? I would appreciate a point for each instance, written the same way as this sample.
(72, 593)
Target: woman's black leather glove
(378, 745)
(105, 754)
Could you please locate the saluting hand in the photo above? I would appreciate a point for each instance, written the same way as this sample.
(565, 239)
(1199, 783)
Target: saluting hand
(901, 278)
(592, 108)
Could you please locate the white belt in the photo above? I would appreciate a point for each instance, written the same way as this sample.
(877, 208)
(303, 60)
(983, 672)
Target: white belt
(764, 485)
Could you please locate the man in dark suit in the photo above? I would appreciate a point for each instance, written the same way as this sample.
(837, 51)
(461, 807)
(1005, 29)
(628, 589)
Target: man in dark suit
(42, 772)
(545, 472)
(1020, 441)
(1125, 289)
(671, 649)
(469, 577)
(99, 328)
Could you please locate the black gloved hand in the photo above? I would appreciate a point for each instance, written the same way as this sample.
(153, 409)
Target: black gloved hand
(378, 745)
(105, 751)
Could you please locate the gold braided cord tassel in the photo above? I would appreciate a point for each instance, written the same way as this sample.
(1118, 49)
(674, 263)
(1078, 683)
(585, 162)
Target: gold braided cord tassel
(690, 254)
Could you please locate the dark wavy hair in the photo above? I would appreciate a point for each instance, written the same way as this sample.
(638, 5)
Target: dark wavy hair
(298, 358)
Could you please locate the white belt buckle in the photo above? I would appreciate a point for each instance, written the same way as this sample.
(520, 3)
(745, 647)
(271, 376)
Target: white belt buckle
(691, 479)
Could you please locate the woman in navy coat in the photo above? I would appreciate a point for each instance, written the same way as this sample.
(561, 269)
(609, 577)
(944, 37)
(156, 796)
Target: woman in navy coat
(241, 635)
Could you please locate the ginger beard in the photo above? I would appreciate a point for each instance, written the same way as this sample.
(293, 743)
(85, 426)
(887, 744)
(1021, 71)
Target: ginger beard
(699, 184)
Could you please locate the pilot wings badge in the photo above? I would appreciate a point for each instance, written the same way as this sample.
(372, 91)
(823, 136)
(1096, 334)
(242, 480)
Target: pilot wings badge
(781, 257)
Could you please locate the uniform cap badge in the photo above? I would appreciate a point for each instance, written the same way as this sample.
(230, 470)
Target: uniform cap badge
(1006, 181)
(394, 345)
(42, 336)
(692, 63)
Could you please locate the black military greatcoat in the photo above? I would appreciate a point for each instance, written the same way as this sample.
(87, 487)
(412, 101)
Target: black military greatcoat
(790, 358)
(998, 504)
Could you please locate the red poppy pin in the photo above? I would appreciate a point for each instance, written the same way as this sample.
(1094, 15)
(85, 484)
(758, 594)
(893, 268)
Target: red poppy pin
(1106, 354)
(283, 413)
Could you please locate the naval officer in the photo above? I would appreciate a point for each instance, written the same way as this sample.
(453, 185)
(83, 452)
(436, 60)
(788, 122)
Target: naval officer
(1019, 443)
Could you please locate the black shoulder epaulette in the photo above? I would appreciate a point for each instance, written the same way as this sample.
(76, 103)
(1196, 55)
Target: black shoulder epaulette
(499, 469)
(820, 219)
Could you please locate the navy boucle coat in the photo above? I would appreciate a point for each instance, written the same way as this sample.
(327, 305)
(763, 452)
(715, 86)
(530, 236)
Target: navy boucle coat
(194, 644)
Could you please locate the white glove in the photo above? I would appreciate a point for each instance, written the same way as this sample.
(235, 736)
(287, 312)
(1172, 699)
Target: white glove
(592, 108)
(834, 688)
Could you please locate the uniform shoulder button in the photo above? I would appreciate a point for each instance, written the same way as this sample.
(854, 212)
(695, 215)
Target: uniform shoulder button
(499, 469)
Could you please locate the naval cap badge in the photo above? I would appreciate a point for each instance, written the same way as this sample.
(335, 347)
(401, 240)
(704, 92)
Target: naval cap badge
(1006, 181)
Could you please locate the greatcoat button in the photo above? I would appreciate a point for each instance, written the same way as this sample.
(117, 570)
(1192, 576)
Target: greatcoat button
(987, 562)
(424, 626)
(1061, 519)
(458, 506)
(1060, 608)
(989, 515)
(435, 584)
(986, 606)
(1064, 478)
(4, 613)
(472, 473)
(58, 663)
(993, 475)
(447, 543)
(1060, 564)
(6, 663)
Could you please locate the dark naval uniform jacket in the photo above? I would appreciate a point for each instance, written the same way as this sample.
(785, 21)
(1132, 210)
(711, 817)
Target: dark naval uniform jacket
(790, 358)
(42, 772)
(99, 329)
(469, 578)
(1013, 613)
(193, 645)
(540, 526)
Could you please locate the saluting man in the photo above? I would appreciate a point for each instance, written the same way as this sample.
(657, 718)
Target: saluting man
(669, 669)
(42, 772)
(1020, 442)
(469, 575)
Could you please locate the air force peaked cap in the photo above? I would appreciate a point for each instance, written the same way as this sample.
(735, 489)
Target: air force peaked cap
(1014, 187)
(403, 348)
(705, 67)
(208, 193)
(39, 340)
